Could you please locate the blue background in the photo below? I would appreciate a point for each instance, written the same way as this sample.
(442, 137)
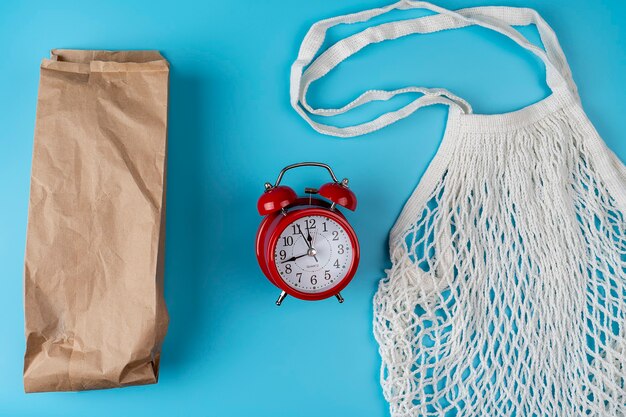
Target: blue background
(229, 350)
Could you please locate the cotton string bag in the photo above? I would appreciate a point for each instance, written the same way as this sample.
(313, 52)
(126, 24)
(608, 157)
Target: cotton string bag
(507, 290)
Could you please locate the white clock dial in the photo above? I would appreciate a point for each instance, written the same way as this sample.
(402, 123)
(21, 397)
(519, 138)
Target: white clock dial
(313, 254)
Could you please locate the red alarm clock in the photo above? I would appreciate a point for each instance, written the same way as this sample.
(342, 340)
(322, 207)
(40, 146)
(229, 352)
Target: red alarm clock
(305, 246)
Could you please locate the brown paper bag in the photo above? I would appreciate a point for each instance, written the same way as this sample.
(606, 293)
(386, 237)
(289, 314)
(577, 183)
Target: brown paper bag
(95, 314)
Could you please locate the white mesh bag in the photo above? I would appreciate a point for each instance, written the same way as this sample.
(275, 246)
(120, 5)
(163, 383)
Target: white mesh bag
(507, 291)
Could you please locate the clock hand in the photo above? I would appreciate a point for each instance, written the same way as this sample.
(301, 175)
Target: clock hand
(293, 258)
(310, 239)
(308, 243)
(304, 237)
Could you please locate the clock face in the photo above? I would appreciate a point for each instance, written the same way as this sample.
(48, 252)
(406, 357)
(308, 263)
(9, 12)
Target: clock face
(313, 254)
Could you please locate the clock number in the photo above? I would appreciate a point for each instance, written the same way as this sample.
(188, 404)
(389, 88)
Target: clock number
(299, 276)
(327, 274)
(287, 240)
(296, 229)
(310, 223)
(325, 230)
(335, 235)
(283, 255)
(336, 264)
(313, 279)
(340, 249)
(288, 268)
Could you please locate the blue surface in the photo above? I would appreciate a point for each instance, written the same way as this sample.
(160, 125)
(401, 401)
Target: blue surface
(229, 350)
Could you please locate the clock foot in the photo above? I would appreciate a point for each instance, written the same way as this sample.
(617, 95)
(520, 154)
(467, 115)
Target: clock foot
(281, 297)
(339, 297)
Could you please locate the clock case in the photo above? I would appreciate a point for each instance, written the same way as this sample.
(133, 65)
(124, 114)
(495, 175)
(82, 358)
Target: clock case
(281, 206)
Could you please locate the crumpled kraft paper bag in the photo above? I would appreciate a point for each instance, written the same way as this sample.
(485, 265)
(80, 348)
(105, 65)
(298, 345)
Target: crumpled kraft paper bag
(94, 308)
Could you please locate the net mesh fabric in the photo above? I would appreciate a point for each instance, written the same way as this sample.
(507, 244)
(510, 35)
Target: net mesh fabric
(507, 296)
